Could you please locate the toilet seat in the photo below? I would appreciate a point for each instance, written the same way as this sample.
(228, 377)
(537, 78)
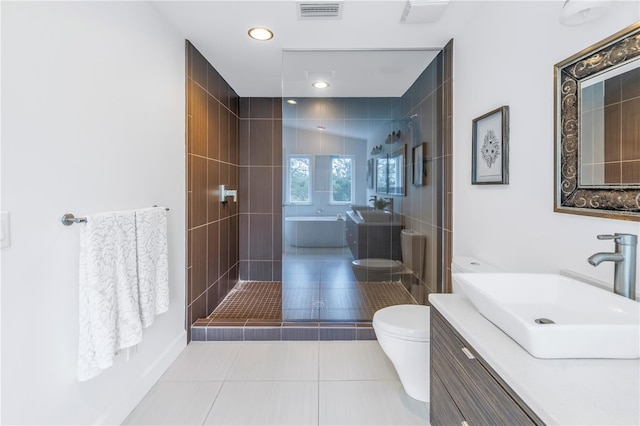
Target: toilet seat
(373, 264)
(406, 322)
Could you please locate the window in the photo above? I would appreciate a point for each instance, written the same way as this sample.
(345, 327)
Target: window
(299, 179)
(341, 184)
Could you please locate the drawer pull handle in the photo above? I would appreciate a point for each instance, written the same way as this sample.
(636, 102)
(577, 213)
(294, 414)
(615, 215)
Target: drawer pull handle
(468, 353)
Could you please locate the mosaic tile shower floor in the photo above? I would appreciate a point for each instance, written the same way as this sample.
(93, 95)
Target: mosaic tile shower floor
(317, 299)
(259, 300)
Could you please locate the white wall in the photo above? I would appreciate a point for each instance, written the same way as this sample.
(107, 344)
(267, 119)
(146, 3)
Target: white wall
(505, 56)
(93, 120)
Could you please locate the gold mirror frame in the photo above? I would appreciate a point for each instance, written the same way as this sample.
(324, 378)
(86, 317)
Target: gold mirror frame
(615, 202)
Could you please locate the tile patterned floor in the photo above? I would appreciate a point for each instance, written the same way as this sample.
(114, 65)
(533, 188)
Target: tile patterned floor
(259, 300)
(280, 383)
(317, 299)
(251, 300)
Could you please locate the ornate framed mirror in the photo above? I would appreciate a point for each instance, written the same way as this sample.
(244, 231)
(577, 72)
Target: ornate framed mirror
(597, 129)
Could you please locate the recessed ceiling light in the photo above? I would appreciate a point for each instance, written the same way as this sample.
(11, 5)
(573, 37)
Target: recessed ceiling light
(320, 84)
(260, 33)
(291, 102)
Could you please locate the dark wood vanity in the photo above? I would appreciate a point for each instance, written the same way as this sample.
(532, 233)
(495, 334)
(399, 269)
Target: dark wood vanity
(373, 240)
(465, 390)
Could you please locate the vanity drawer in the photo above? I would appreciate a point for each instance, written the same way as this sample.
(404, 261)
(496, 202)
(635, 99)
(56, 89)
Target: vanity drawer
(447, 413)
(478, 392)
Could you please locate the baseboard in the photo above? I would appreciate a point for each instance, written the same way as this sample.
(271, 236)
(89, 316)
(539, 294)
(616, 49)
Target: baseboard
(124, 405)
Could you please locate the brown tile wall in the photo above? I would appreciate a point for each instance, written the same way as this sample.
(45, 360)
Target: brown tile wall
(212, 160)
(260, 189)
(427, 208)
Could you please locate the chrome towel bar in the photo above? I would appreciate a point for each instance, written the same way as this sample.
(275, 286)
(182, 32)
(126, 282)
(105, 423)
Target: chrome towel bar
(69, 219)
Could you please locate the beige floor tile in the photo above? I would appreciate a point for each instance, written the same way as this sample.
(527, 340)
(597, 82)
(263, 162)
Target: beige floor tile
(203, 361)
(369, 403)
(175, 403)
(284, 360)
(266, 403)
(362, 360)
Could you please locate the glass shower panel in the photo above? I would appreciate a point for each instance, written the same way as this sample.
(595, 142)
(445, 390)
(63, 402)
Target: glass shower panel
(343, 132)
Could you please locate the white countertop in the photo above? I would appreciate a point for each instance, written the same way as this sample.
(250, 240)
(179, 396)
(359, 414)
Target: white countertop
(560, 391)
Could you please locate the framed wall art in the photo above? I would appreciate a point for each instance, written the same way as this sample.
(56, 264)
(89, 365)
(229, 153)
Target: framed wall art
(490, 148)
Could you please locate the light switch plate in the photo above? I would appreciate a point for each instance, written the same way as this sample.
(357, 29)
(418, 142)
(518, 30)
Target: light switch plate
(5, 233)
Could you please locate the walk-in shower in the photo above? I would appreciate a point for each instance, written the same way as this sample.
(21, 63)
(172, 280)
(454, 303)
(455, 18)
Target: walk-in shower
(333, 140)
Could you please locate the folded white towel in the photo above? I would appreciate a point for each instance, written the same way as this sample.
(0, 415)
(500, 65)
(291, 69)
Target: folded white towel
(153, 263)
(108, 295)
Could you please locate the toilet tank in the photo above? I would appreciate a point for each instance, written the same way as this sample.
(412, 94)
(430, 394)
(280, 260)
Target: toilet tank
(469, 264)
(412, 245)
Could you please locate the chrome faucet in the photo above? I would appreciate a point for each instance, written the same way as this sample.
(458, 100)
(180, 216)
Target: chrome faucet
(225, 192)
(624, 281)
(390, 204)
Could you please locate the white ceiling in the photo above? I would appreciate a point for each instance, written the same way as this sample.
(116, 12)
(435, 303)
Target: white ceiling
(218, 29)
(352, 73)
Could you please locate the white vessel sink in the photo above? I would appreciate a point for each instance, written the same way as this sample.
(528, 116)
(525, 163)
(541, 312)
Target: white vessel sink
(588, 322)
(375, 215)
(356, 207)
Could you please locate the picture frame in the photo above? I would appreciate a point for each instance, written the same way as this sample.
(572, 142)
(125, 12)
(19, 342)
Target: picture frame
(490, 148)
(419, 164)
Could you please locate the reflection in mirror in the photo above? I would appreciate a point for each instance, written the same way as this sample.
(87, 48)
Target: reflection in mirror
(382, 181)
(597, 127)
(397, 171)
(610, 123)
(391, 172)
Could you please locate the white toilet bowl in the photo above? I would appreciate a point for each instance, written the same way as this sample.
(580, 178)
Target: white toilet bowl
(404, 335)
(376, 270)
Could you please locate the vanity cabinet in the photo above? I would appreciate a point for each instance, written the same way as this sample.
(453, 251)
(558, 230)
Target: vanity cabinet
(373, 240)
(464, 388)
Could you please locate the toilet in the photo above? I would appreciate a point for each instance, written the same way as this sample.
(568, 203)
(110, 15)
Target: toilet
(378, 270)
(404, 335)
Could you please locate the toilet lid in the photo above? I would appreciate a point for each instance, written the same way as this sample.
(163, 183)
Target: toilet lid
(407, 322)
(378, 264)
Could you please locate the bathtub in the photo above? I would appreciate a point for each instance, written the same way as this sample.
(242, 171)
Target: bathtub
(315, 231)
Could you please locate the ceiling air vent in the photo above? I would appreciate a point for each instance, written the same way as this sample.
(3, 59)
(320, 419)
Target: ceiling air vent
(320, 10)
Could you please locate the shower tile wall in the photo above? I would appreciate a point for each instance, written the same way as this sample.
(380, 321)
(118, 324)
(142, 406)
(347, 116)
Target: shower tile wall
(212, 160)
(260, 189)
(427, 208)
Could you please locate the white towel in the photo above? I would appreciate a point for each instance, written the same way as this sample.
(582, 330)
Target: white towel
(153, 263)
(108, 305)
